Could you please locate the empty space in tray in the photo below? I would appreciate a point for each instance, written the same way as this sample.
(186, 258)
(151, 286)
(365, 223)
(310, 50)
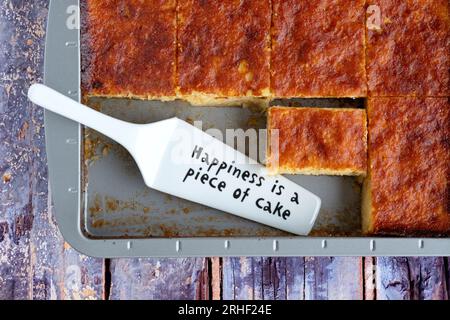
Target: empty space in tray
(117, 203)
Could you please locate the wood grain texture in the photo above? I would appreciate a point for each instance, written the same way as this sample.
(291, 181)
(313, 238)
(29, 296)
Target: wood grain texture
(216, 278)
(428, 278)
(292, 278)
(295, 278)
(369, 282)
(35, 263)
(329, 278)
(242, 278)
(411, 278)
(447, 267)
(15, 200)
(159, 279)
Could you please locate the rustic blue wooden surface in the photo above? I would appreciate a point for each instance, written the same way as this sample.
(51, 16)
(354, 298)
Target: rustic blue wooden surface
(36, 263)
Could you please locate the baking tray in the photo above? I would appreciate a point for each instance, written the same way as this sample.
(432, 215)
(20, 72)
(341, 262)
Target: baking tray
(104, 209)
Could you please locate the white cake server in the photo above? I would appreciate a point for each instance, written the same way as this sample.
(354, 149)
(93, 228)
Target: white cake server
(179, 159)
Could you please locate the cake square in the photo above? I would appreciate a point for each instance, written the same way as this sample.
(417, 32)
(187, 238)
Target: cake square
(317, 141)
(318, 49)
(129, 48)
(223, 49)
(408, 53)
(407, 189)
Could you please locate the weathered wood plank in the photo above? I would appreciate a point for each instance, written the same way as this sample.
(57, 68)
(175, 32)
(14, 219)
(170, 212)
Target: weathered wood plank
(292, 278)
(329, 278)
(428, 278)
(447, 266)
(263, 278)
(44, 237)
(159, 279)
(242, 278)
(393, 278)
(274, 279)
(295, 278)
(16, 147)
(411, 278)
(369, 278)
(216, 278)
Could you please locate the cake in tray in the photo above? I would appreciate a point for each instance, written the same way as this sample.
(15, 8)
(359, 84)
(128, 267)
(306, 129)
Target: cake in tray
(223, 50)
(249, 52)
(318, 48)
(408, 53)
(129, 48)
(317, 141)
(407, 190)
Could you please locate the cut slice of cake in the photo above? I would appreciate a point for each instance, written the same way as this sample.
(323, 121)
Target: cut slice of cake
(407, 188)
(223, 51)
(129, 48)
(318, 48)
(317, 141)
(408, 52)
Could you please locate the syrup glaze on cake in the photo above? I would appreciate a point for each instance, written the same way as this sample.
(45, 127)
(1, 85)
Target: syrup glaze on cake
(129, 48)
(318, 48)
(223, 48)
(407, 190)
(317, 141)
(409, 54)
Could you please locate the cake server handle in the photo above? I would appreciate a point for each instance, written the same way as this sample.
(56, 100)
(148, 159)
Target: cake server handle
(50, 99)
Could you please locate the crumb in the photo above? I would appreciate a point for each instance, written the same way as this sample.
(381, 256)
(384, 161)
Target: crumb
(7, 177)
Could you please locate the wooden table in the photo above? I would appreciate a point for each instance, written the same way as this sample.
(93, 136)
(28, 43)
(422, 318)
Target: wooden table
(36, 263)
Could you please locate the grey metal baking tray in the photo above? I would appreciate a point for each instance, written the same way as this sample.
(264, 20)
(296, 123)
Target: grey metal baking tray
(104, 209)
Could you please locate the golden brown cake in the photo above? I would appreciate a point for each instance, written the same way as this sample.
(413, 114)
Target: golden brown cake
(317, 141)
(408, 55)
(407, 189)
(318, 48)
(129, 48)
(223, 50)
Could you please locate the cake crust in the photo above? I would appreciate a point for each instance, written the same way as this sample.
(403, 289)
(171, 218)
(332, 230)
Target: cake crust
(409, 54)
(129, 48)
(224, 48)
(407, 190)
(317, 141)
(318, 48)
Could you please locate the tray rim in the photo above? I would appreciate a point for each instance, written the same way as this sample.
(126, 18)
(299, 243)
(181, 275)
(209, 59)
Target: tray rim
(62, 72)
